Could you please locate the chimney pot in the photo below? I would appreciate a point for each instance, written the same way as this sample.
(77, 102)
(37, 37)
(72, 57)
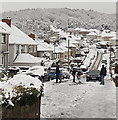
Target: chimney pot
(31, 35)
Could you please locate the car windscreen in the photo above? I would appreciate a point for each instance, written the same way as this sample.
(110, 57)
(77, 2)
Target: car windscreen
(94, 72)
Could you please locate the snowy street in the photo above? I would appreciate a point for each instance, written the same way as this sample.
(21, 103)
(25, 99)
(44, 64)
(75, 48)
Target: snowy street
(86, 100)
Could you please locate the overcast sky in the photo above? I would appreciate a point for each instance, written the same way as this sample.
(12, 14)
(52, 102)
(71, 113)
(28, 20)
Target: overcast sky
(102, 6)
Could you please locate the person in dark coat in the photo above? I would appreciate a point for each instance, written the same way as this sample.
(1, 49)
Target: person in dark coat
(73, 73)
(57, 73)
(102, 74)
(116, 68)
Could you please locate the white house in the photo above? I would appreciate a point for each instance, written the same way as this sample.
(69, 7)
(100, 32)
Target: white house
(106, 36)
(19, 42)
(91, 36)
(44, 48)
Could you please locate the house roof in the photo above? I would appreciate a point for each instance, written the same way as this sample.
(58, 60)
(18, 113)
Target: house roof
(16, 35)
(26, 58)
(43, 46)
(2, 30)
(111, 34)
(58, 49)
(92, 33)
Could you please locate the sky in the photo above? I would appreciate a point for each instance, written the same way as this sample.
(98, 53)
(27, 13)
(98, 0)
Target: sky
(103, 6)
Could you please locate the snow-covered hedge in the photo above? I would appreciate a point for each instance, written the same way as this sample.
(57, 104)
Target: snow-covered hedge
(22, 89)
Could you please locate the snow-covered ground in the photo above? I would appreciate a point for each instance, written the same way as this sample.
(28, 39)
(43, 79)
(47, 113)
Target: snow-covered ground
(73, 100)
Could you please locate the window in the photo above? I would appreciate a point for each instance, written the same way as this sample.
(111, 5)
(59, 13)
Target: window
(17, 49)
(3, 38)
(30, 48)
(22, 49)
(34, 48)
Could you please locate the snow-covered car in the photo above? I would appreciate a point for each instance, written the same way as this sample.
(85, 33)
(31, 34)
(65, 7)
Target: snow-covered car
(93, 75)
(38, 71)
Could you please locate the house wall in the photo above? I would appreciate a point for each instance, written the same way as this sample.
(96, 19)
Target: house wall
(40, 53)
(106, 38)
(77, 45)
(83, 33)
(4, 50)
(12, 54)
(73, 51)
(91, 37)
(0, 49)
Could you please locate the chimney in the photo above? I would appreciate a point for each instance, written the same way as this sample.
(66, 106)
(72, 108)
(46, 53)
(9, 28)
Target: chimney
(32, 36)
(7, 21)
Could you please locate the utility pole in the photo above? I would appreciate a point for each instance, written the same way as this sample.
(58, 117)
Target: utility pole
(68, 53)
(54, 50)
(110, 61)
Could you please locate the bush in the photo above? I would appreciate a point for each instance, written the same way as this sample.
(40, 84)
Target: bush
(25, 96)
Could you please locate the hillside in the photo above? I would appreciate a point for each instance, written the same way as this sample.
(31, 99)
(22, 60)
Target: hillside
(39, 20)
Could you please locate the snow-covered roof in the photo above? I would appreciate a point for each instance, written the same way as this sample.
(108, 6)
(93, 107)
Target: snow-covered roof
(43, 46)
(16, 35)
(103, 43)
(104, 34)
(84, 30)
(26, 58)
(113, 38)
(58, 49)
(65, 43)
(77, 29)
(92, 33)
(2, 30)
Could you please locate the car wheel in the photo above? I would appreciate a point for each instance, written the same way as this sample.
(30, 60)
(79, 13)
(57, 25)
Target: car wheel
(68, 77)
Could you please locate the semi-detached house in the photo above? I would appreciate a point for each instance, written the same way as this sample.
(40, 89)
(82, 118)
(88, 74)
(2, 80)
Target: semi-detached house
(22, 48)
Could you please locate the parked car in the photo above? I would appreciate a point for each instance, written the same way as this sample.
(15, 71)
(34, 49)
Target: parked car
(52, 73)
(93, 75)
(38, 71)
(13, 70)
(2, 69)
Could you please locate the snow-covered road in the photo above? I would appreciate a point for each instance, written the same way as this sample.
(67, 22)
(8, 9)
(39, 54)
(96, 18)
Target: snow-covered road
(71, 100)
